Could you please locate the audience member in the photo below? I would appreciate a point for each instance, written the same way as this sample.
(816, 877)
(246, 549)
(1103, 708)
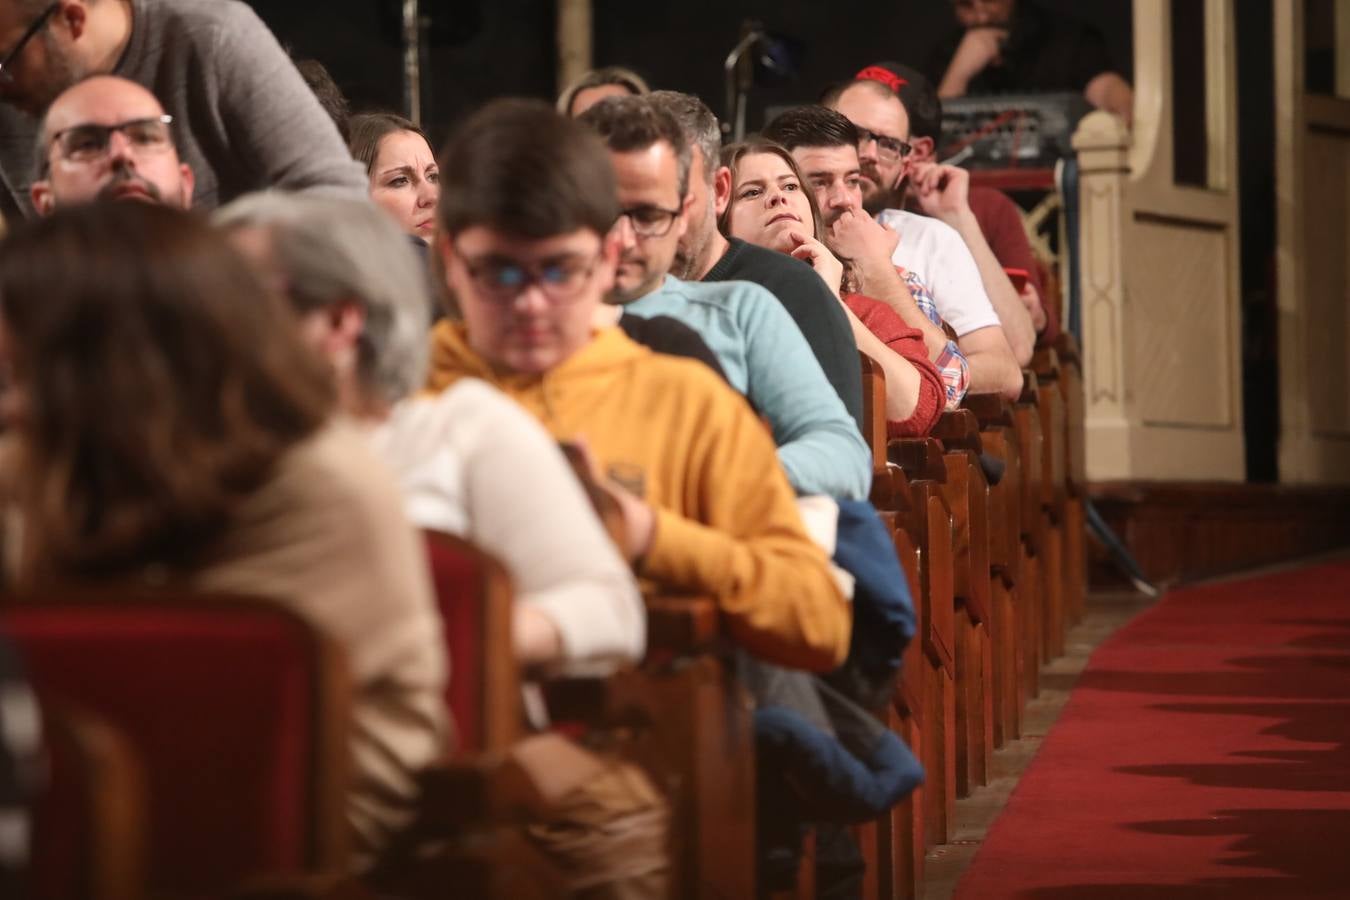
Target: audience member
(772, 207)
(404, 178)
(705, 254)
(824, 145)
(597, 85)
(222, 468)
(761, 349)
(108, 138)
(942, 192)
(471, 462)
(994, 211)
(994, 339)
(1006, 46)
(248, 121)
(329, 95)
(706, 507)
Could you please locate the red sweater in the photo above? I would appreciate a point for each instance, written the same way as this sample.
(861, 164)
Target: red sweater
(892, 331)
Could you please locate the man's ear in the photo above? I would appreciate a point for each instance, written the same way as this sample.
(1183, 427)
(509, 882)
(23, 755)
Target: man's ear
(74, 15)
(41, 195)
(189, 180)
(611, 250)
(344, 322)
(925, 148)
(443, 251)
(721, 189)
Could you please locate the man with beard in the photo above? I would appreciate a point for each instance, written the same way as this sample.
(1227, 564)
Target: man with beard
(944, 247)
(246, 120)
(109, 138)
(762, 351)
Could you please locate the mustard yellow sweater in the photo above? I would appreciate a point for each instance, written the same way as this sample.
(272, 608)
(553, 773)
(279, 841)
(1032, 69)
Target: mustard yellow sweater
(726, 520)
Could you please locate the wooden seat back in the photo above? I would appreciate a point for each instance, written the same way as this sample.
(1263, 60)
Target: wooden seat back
(89, 821)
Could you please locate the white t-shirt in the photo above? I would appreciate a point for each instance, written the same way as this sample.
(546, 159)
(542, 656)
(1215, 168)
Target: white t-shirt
(474, 464)
(935, 252)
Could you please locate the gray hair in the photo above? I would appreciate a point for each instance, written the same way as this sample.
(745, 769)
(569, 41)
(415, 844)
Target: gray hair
(701, 128)
(333, 250)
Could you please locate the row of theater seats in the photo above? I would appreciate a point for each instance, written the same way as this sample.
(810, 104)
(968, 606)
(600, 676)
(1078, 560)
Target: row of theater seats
(197, 745)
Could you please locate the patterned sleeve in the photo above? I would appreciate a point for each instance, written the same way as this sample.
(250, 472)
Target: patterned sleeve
(951, 362)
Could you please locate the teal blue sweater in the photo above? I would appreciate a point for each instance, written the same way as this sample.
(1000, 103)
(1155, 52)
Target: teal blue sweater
(767, 359)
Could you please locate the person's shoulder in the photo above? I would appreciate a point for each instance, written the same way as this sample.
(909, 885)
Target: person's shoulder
(916, 228)
(201, 29)
(663, 379)
(201, 12)
(864, 306)
(336, 469)
(464, 403)
(722, 295)
(786, 274)
(196, 21)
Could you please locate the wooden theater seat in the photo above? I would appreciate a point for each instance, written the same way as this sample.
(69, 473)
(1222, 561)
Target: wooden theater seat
(930, 526)
(1031, 577)
(1053, 487)
(89, 821)
(237, 708)
(1000, 442)
(967, 493)
(1075, 476)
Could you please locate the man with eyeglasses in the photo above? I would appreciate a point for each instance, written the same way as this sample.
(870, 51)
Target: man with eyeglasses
(705, 254)
(109, 139)
(998, 218)
(944, 247)
(245, 118)
(706, 508)
(761, 349)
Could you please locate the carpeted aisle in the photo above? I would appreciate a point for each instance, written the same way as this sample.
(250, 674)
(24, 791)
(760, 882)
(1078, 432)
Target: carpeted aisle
(1205, 752)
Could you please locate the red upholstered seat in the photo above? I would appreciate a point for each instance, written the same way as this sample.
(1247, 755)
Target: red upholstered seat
(474, 596)
(237, 710)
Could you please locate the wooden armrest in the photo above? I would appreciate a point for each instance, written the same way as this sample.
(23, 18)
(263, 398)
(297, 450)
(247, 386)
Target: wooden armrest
(919, 458)
(1045, 363)
(336, 886)
(991, 410)
(1066, 345)
(959, 430)
(890, 489)
(1031, 388)
(682, 625)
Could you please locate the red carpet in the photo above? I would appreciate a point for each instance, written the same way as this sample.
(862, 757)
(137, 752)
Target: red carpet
(1205, 752)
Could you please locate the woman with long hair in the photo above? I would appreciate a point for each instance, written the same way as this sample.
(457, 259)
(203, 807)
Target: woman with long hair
(168, 425)
(401, 165)
(772, 206)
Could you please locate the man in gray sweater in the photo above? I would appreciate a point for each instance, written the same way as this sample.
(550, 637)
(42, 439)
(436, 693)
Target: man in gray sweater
(244, 118)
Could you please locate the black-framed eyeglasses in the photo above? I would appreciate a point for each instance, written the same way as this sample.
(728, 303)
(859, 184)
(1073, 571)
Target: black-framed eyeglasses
(888, 148)
(651, 221)
(90, 141)
(502, 280)
(28, 35)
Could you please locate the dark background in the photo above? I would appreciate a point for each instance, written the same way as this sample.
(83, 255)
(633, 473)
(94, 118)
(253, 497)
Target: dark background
(481, 49)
